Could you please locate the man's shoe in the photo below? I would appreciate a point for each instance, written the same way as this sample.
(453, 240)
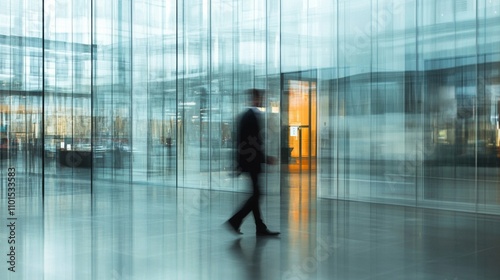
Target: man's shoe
(233, 227)
(266, 232)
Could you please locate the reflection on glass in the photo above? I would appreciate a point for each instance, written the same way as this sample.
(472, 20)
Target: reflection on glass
(404, 100)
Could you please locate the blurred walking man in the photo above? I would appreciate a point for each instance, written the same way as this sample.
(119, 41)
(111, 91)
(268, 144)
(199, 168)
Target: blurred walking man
(249, 157)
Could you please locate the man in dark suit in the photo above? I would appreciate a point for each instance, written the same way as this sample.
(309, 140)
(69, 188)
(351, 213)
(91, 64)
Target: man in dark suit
(249, 157)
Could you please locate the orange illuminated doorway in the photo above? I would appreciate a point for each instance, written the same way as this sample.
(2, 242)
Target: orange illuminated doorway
(298, 137)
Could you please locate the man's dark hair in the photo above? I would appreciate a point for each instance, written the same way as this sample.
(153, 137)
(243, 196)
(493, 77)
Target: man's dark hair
(254, 93)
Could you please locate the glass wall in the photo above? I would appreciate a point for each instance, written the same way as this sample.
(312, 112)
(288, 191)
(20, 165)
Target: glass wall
(408, 111)
(97, 95)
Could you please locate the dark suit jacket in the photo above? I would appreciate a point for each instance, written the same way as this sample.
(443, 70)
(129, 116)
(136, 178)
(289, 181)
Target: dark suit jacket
(249, 145)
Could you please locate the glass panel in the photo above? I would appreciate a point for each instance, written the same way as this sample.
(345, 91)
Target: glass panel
(223, 101)
(450, 113)
(195, 91)
(100, 95)
(407, 113)
(21, 132)
(488, 88)
(67, 130)
(112, 126)
(112, 95)
(154, 97)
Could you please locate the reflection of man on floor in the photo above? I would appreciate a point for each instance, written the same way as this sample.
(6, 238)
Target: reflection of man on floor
(251, 259)
(250, 155)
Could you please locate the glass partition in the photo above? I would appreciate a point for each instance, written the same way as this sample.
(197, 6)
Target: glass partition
(101, 100)
(407, 112)
(22, 153)
(99, 94)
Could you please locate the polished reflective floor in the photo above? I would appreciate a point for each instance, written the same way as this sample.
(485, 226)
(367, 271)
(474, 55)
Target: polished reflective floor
(151, 232)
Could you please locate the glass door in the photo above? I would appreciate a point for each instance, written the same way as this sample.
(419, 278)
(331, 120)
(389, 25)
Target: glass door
(298, 137)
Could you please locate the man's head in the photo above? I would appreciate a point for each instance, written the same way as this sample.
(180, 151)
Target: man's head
(256, 97)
